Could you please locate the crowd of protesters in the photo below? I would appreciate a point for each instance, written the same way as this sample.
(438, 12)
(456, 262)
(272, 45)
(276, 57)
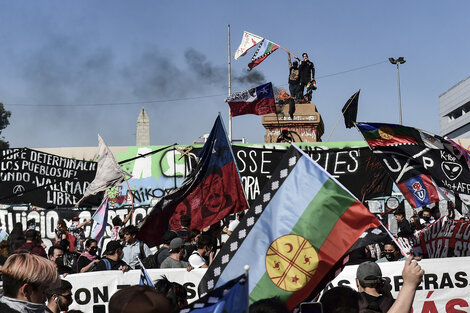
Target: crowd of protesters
(26, 262)
(73, 253)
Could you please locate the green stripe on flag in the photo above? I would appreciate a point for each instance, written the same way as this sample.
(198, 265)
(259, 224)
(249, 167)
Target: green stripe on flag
(323, 212)
(315, 225)
(269, 47)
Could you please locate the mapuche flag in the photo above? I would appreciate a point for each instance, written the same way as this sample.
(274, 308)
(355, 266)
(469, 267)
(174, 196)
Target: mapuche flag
(212, 191)
(299, 227)
(258, 101)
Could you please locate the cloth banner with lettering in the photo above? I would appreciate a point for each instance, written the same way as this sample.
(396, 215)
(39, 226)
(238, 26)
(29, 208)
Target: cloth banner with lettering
(445, 238)
(42, 179)
(444, 288)
(358, 169)
(424, 166)
(92, 291)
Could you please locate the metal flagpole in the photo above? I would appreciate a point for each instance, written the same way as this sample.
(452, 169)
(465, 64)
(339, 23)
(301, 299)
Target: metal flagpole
(229, 86)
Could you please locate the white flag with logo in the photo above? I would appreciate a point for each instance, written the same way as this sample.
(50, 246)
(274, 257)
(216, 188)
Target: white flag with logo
(249, 40)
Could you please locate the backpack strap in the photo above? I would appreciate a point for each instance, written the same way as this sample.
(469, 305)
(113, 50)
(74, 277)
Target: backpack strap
(107, 263)
(142, 251)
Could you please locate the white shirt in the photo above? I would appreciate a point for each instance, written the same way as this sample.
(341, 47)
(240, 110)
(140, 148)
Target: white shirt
(196, 260)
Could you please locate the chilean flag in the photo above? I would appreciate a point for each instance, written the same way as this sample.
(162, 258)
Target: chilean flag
(258, 101)
(211, 192)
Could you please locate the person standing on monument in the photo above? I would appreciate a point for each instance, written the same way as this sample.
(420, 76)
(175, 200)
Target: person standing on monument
(294, 79)
(306, 73)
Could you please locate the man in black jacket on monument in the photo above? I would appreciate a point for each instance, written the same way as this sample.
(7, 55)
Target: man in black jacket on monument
(306, 72)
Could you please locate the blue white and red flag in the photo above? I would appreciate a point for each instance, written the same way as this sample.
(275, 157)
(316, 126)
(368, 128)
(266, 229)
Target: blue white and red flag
(258, 101)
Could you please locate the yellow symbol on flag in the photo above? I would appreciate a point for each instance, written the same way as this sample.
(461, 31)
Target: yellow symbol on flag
(291, 261)
(386, 132)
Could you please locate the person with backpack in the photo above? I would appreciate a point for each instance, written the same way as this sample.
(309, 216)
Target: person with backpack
(204, 249)
(112, 259)
(134, 248)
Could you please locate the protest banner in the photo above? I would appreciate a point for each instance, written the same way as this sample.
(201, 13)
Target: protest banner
(158, 174)
(42, 179)
(46, 220)
(94, 289)
(445, 238)
(445, 286)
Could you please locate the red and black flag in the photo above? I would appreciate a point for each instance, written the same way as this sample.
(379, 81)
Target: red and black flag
(212, 191)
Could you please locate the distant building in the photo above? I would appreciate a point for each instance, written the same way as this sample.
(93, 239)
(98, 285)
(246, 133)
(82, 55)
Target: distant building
(143, 129)
(454, 110)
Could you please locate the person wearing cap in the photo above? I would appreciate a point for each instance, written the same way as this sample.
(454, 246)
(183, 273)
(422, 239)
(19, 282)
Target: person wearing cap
(370, 283)
(174, 260)
(113, 258)
(164, 251)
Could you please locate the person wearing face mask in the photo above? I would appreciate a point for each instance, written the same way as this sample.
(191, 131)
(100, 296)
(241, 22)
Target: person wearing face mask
(113, 258)
(88, 259)
(204, 248)
(426, 218)
(391, 253)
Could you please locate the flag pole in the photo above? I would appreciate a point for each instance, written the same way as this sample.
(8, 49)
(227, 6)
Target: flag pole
(341, 116)
(285, 50)
(229, 87)
(247, 303)
(337, 122)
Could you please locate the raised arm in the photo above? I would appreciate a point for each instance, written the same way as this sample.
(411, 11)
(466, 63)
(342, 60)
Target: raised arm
(412, 275)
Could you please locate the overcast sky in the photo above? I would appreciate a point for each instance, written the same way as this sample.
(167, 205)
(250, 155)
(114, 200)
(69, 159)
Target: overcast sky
(72, 69)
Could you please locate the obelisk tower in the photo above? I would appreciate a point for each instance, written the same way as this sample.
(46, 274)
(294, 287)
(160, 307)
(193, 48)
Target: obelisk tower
(143, 129)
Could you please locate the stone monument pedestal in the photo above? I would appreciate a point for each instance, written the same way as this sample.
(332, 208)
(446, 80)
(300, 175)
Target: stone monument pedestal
(307, 123)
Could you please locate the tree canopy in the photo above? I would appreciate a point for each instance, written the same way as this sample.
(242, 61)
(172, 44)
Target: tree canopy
(4, 122)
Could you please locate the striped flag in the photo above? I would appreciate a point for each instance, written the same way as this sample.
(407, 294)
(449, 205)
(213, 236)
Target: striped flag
(299, 227)
(101, 219)
(145, 279)
(265, 48)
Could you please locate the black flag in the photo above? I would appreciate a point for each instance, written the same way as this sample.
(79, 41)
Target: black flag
(350, 110)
